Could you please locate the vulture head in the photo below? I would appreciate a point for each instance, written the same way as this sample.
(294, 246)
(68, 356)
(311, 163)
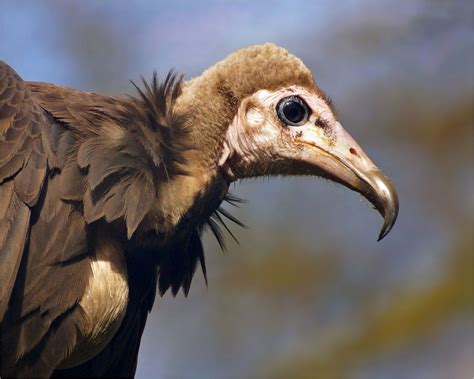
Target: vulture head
(259, 112)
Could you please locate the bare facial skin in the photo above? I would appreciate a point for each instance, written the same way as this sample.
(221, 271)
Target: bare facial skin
(257, 132)
(258, 142)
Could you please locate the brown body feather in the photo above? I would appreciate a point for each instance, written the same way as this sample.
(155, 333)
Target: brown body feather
(107, 158)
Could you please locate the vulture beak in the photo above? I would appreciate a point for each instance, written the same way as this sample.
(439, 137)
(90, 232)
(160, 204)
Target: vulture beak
(338, 157)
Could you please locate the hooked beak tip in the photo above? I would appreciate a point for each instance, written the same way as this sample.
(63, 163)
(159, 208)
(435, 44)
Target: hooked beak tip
(382, 194)
(389, 222)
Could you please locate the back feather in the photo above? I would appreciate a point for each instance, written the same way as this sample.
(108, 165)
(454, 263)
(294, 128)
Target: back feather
(125, 147)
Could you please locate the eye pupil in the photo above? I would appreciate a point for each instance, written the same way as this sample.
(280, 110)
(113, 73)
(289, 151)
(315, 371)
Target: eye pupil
(293, 111)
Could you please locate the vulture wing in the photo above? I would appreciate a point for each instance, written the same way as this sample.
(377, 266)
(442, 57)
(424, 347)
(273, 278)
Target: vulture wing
(44, 262)
(23, 161)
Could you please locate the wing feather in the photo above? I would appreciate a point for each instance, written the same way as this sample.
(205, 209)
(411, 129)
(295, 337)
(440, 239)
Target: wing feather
(22, 172)
(38, 233)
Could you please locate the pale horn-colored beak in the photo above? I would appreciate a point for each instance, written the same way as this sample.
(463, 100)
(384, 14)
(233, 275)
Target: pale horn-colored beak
(342, 160)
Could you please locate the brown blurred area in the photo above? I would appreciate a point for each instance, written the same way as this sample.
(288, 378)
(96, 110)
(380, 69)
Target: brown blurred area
(308, 293)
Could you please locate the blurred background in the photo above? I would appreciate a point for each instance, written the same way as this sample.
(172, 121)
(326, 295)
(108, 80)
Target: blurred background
(308, 293)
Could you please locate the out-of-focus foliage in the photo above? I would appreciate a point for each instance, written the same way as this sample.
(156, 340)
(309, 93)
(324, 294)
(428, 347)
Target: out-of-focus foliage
(308, 293)
(411, 315)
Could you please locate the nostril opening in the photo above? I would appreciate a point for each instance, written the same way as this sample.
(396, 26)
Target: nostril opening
(353, 151)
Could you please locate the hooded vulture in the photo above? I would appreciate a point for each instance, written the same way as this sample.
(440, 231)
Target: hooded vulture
(104, 199)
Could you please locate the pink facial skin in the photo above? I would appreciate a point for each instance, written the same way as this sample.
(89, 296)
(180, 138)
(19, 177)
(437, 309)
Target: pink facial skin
(259, 143)
(322, 141)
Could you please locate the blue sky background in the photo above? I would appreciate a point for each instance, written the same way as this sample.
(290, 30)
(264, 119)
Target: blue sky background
(308, 279)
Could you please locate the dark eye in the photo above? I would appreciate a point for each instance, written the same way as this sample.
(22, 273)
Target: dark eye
(292, 111)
